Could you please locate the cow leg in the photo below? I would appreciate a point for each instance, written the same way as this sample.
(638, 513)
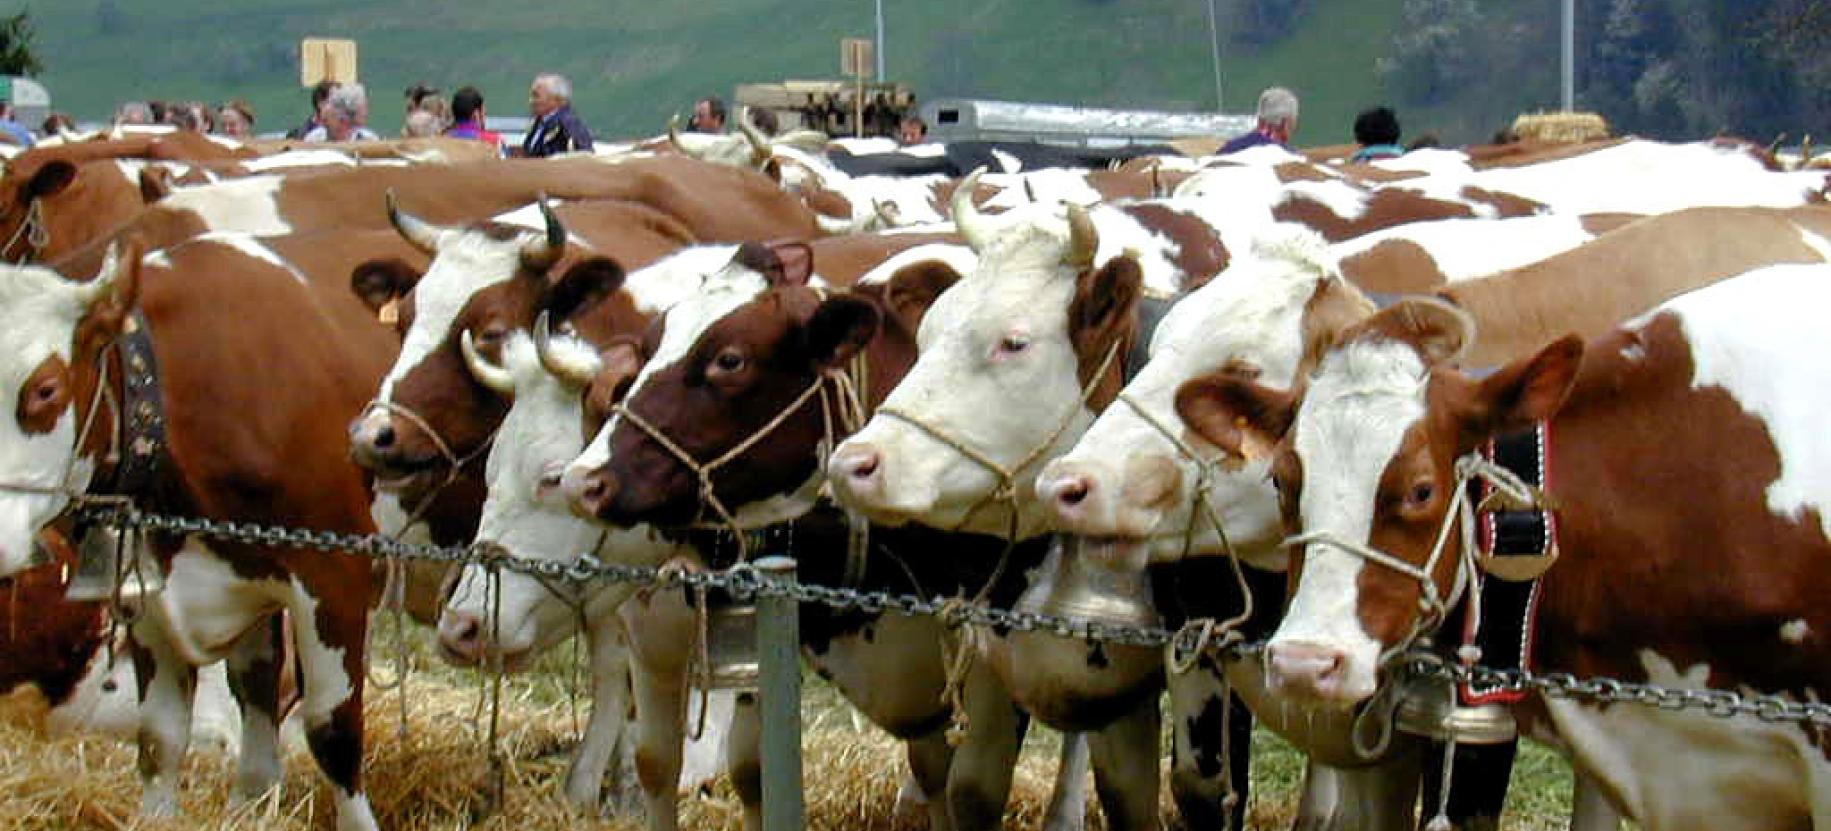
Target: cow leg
(746, 758)
(610, 693)
(929, 758)
(254, 676)
(1479, 788)
(1320, 804)
(1126, 773)
(1067, 808)
(979, 780)
(167, 681)
(1198, 744)
(329, 636)
(657, 626)
(1591, 810)
(1383, 797)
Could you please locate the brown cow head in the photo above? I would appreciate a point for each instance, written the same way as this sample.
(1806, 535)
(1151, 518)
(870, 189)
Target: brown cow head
(433, 416)
(1365, 459)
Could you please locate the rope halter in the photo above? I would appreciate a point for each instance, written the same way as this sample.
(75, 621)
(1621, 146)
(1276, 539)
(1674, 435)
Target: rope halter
(1433, 605)
(1006, 490)
(841, 411)
(454, 463)
(32, 231)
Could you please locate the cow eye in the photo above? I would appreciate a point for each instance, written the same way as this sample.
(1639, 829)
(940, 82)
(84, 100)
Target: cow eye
(492, 335)
(727, 362)
(1420, 495)
(1013, 344)
(49, 390)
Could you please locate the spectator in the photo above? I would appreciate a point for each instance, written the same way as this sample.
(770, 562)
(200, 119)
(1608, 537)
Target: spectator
(468, 117)
(708, 115)
(193, 116)
(57, 123)
(1377, 132)
(320, 93)
(345, 116)
(1277, 121)
(556, 129)
(430, 119)
(417, 95)
(236, 120)
(161, 111)
(12, 131)
(913, 130)
(133, 112)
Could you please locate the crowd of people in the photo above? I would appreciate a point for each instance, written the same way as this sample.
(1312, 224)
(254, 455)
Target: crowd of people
(340, 112)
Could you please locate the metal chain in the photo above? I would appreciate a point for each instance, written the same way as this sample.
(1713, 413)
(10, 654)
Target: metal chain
(745, 583)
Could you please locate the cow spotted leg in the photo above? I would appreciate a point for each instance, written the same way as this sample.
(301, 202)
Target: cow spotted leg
(167, 681)
(746, 758)
(604, 730)
(254, 676)
(1480, 785)
(1126, 774)
(1195, 774)
(979, 780)
(330, 639)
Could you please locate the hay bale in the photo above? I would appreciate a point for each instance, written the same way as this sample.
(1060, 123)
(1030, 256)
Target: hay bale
(1560, 127)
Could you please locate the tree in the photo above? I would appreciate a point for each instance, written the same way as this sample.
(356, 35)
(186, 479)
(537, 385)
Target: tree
(17, 56)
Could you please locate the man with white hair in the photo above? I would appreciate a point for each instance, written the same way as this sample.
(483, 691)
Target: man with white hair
(1277, 121)
(556, 129)
(344, 117)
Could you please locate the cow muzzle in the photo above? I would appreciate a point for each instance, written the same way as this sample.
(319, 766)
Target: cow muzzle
(1313, 673)
(1093, 499)
(591, 492)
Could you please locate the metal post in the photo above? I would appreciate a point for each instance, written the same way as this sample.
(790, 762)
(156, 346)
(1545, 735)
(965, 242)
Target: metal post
(1570, 55)
(1214, 50)
(880, 41)
(779, 652)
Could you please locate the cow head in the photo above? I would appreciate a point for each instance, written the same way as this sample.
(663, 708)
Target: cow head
(1000, 385)
(1365, 456)
(51, 342)
(432, 415)
(1135, 477)
(28, 181)
(738, 373)
(550, 380)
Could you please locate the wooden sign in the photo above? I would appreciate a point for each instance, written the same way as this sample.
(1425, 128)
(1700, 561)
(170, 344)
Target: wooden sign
(327, 59)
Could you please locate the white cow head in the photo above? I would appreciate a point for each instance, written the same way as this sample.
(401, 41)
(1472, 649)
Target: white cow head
(54, 333)
(1133, 478)
(1365, 451)
(525, 515)
(1000, 385)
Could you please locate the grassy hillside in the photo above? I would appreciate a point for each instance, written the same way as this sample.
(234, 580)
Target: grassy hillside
(635, 61)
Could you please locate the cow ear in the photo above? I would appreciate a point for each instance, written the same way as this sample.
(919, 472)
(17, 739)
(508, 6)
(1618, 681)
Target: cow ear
(1104, 301)
(913, 288)
(380, 282)
(1527, 391)
(582, 286)
(797, 263)
(1235, 413)
(50, 180)
(155, 184)
(841, 328)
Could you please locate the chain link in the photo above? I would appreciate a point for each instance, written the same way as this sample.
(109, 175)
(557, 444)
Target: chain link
(744, 582)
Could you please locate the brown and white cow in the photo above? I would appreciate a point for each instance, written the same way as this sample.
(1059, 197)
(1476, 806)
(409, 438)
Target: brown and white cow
(744, 370)
(222, 323)
(1684, 469)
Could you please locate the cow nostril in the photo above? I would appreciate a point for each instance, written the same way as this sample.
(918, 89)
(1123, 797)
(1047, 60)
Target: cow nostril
(865, 465)
(384, 438)
(1074, 491)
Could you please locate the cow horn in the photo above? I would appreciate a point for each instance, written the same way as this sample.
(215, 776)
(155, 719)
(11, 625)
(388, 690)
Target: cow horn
(1083, 240)
(417, 232)
(488, 374)
(759, 143)
(572, 373)
(674, 135)
(1029, 190)
(93, 290)
(833, 226)
(967, 219)
(542, 252)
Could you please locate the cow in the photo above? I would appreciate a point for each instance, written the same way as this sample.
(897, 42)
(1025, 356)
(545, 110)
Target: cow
(1669, 467)
(1420, 257)
(760, 319)
(220, 320)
